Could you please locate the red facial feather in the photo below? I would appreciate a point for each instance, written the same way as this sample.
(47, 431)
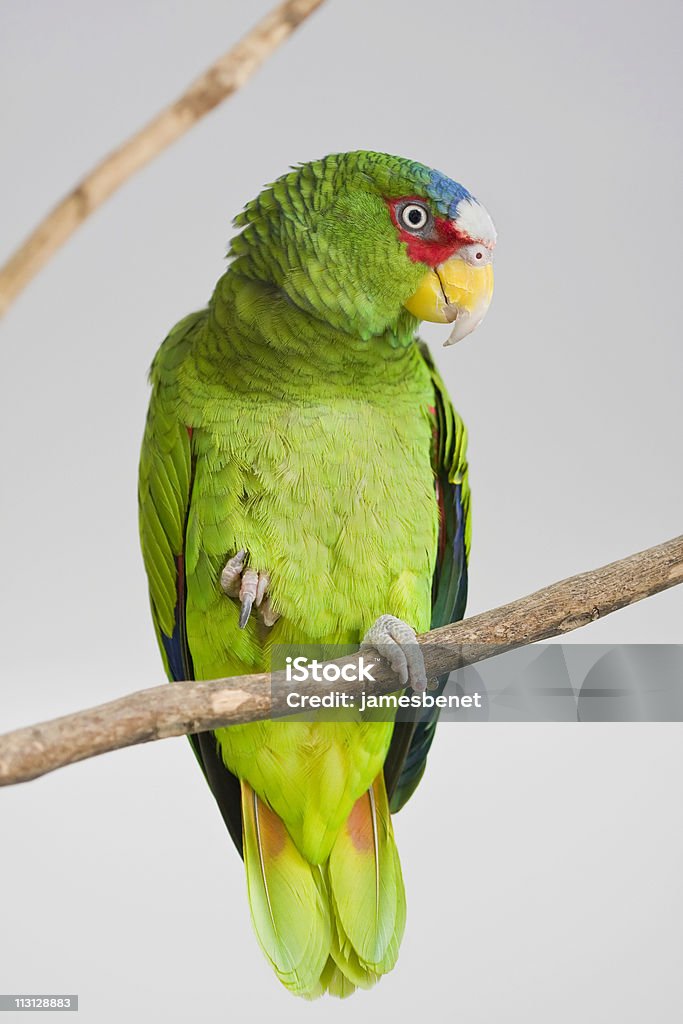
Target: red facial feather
(447, 237)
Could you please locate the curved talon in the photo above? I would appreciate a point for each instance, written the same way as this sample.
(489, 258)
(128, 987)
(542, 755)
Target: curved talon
(245, 610)
(248, 594)
(250, 588)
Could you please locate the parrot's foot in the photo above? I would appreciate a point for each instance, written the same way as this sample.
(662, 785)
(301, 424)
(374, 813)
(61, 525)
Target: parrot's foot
(250, 588)
(394, 640)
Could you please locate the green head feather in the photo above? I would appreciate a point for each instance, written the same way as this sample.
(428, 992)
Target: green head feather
(324, 235)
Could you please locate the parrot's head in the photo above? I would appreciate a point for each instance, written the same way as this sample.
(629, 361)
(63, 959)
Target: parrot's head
(367, 241)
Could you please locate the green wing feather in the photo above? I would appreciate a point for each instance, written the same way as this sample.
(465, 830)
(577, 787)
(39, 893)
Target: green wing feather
(164, 486)
(164, 495)
(407, 756)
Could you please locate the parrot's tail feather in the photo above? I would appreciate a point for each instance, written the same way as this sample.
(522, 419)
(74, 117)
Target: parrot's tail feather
(366, 891)
(289, 906)
(332, 927)
(335, 982)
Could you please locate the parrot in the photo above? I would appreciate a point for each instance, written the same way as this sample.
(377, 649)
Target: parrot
(304, 480)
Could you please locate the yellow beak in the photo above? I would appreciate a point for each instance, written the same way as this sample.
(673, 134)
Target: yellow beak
(454, 293)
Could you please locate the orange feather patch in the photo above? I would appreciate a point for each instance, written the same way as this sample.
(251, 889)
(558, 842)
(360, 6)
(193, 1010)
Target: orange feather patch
(359, 824)
(271, 830)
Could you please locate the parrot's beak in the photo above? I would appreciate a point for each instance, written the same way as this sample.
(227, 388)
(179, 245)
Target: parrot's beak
(454, 293)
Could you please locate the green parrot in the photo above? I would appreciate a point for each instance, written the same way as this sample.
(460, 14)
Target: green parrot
(303, 479)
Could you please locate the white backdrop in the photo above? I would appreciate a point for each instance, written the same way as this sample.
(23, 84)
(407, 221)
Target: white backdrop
(542, 863)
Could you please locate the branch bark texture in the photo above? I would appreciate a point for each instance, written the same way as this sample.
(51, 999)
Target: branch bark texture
(228, 74)
(194, 706)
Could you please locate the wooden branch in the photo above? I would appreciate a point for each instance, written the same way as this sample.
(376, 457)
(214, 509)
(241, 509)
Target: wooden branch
(187, 707)
(218, 82)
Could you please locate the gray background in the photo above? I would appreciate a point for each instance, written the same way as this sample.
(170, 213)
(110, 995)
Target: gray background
(542, 862)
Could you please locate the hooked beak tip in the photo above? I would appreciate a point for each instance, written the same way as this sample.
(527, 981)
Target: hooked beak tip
(454, 293)
(463, 324)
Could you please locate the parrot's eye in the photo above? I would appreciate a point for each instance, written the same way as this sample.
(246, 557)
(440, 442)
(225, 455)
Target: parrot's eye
(414, 216)
(475, 254)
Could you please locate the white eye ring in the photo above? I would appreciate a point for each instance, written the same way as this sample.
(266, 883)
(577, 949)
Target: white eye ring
(414, 217)
(475, 254)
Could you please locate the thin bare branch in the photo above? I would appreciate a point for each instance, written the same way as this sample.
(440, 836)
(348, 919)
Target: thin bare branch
(187, 707)
(228, 74)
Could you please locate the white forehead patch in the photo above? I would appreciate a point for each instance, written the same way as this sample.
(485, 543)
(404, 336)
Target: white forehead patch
(475, 220)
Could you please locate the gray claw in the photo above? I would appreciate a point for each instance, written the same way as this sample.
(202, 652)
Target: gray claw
(244, 584)
(248, 594)
(245, 610)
